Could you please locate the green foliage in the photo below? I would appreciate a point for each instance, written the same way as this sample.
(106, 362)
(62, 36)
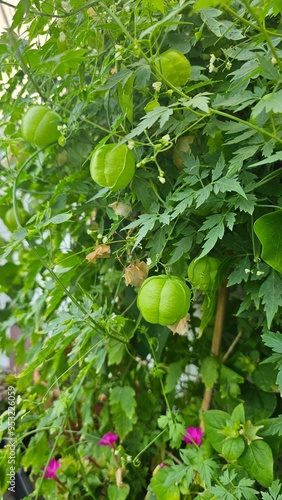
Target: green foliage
(268, 229)
(75, 254)
(258, 462)
(274, 341)
(122, 403)
(237, 439)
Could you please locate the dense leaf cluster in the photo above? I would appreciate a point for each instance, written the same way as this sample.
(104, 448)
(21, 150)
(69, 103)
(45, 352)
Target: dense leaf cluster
(207, 183)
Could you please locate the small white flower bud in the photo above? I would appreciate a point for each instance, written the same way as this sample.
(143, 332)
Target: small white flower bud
(157, 86)
(62, 37)
(130, 144)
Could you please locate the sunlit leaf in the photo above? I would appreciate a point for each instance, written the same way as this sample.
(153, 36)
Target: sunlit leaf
(268, 229)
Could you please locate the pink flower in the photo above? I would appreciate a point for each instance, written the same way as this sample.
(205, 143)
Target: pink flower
(51, 470)
(193, 435)
(108, 439)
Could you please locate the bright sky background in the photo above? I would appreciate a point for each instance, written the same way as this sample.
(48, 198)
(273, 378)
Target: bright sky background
(6, 14)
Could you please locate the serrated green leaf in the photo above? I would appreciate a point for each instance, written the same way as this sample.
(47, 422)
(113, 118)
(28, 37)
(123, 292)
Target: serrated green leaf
(206, 469)
(209, 370)
(242, 154)
(58, 219)
(182, 247)
(269, 103)
(123, 404)
(37, 453)
(161, 114)
(246, 204)
(226, 184)
(20, 12)
(219, 491)
(239, 274)
(124, 397)
(271, 294)
(274, 490)
(203, 194)
(273, 340)
(200, 101)
(176, 433)
(211, 238)
(161, 491)
(270, 159)
(268, 69)
(177, 473)
(116, 351)
(275, 427)
(147, 223)
(163, 421)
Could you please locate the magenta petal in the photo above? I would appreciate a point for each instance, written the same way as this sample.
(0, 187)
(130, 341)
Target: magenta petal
(52, 468)
(108, 439)
(193, 435)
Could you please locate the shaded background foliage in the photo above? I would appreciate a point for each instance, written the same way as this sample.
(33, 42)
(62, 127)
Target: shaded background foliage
(93, 364)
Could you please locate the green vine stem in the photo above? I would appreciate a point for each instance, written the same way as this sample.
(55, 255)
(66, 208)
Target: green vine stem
(269, 177)
(161, 382)
(136, 461)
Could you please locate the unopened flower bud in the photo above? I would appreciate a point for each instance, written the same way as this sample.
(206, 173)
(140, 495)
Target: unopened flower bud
(157, 86)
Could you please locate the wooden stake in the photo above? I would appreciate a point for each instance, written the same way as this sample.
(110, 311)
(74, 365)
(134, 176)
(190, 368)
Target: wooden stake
(216, 339)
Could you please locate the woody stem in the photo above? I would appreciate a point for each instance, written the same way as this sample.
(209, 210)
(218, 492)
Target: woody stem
(216, 340)
(60, 483)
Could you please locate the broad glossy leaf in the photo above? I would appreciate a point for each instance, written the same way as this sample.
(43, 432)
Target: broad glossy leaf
(268, 229)
(118, 493)
(161, 491)
(215, 421)
(257, 459)
(232, 448)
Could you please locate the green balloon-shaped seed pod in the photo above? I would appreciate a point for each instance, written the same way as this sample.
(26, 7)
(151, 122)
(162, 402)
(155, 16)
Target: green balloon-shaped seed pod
(202, 273)
(163, 299)
(174, 67)
(40, 126)
(112, 166)
(10, 218)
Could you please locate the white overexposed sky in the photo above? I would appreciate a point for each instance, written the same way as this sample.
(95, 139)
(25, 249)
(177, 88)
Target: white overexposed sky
(6, 15)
